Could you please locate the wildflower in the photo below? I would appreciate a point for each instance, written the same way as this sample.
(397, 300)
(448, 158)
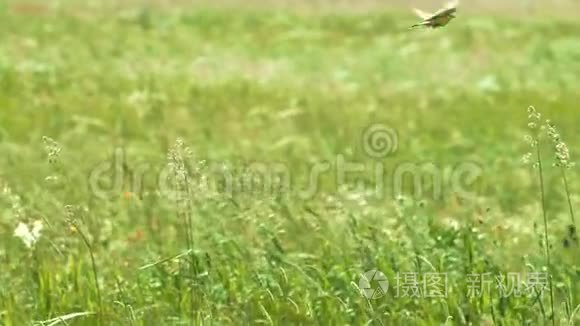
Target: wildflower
(136, 236)
(53, 149)
(72, 229)
(29, 235)
(534, 116)
(533, 123)
(177, 158)
(561, 151)
(530, 140)
(533, 139)
(452, 223)
(527, 158)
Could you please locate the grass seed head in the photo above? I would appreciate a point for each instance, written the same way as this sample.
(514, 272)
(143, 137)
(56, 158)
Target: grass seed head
(561, 151)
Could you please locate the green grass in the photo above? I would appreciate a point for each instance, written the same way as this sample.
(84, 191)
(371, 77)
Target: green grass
(290, 93)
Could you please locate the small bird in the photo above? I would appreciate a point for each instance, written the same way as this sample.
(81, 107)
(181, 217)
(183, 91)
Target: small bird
(438, 19)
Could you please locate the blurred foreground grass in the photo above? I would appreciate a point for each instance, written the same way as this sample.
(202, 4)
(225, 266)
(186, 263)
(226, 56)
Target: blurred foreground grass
(289, 91)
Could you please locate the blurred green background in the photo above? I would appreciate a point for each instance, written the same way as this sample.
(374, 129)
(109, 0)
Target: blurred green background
(279, 82)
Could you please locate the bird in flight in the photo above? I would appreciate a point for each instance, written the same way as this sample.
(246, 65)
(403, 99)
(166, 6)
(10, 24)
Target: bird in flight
(438, 19)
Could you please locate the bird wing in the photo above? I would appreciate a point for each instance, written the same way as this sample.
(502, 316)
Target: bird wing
(443, 12)
(422, 14)
(449, 8)
(452, 4)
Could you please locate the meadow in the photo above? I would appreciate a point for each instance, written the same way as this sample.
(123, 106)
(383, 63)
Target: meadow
(201, 164)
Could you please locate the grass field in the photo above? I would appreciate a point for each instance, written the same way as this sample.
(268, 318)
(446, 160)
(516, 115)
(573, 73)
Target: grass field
(252, 165)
